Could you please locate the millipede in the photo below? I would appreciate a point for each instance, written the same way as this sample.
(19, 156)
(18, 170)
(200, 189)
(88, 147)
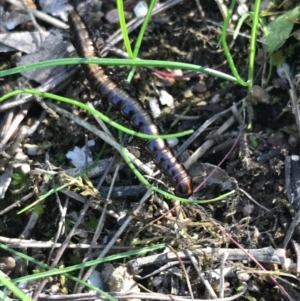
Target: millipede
(132, 109)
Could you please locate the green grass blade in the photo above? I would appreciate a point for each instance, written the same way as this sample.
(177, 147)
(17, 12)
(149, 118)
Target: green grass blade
(240, 23)
(253, 43)
(225, 46)
(17, 292)
(88, 263)
(140, 38)
(119, 62)
(124, 28)
(143, 29)
(43, 197)
(44, 266)
(4, 297)
(92, 111)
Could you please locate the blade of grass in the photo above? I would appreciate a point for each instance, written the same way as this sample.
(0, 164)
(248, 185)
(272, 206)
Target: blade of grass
(10, 286)
(269, 70)
(85, 264)
(123, 27)
(143, 29)
(92, 111)
(253, 44)
(44, 266)
(225, 46)
(4, 297)
(118, 62)
(140, 37)
(240, 23)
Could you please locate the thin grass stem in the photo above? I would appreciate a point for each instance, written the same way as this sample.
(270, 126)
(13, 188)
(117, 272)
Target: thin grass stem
(143, 30)
(123, 27)
(93, 111)
(226, 48)
(253, 44)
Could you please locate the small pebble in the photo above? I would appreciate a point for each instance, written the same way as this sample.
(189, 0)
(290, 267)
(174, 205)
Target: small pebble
(23, 284)
(172, 142)
(265, 4)
(156, 281)
(96, 280)
(112, 16)
(260, 94)
(283, 71)
(54, 289)
(247, 209)
(91, 142)
(136, 152)
(7, 264)
(32, 149)
(178, 72)
(25, 168)
(293, 140)
(200, 88)
(242, 9)
(243, 276)
(229, 96)
(296, 35)
(188, 94)
(260, 57)
(235, 17)
(215, 99)
(166, 98)
(277, 139)
(154, 107)
(141, 9)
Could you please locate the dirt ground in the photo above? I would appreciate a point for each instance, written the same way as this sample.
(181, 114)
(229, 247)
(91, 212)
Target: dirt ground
(252, 140)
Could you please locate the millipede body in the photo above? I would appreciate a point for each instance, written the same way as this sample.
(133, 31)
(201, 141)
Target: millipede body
(132, 109)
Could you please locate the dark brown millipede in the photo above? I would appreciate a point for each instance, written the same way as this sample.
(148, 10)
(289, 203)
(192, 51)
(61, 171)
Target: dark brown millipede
(132, 109)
